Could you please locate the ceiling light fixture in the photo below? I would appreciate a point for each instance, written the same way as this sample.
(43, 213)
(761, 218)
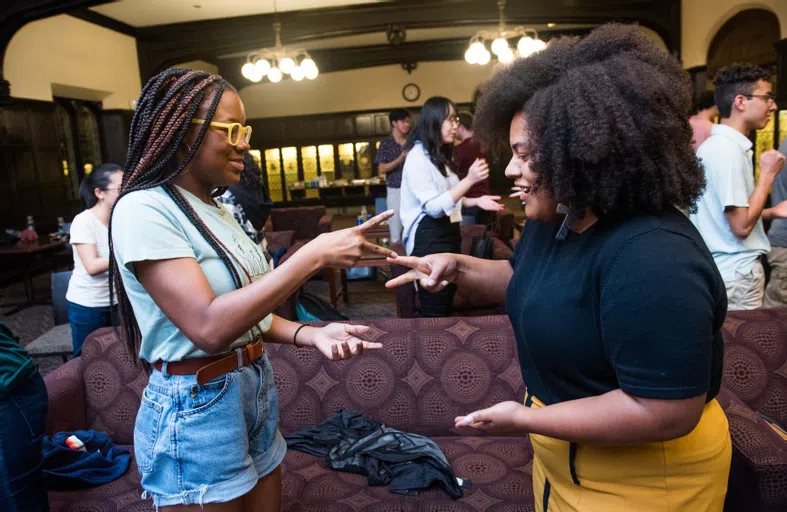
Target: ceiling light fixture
(478, 54)
(277, 61)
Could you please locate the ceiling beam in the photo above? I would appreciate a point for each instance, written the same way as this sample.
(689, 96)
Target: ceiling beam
(104, 21)
(164, 45)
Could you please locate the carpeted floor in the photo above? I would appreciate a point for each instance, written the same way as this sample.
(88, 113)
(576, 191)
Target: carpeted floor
(368, 299)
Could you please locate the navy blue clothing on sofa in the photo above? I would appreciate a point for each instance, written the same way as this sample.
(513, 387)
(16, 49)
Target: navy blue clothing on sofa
(65, 468)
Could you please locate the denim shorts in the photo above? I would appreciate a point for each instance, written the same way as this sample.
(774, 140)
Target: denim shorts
(207, 444)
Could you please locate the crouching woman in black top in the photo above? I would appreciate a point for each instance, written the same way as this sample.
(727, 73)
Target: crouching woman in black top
(614, 298)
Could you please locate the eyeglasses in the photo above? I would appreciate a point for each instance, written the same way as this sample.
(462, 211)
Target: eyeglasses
(770, 99)
(453, 119)
(234, 130)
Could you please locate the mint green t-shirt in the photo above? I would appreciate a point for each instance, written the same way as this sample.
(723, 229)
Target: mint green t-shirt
(148, 225)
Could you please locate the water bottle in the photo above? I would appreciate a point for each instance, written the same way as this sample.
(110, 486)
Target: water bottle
(61, 229)
(364, 214)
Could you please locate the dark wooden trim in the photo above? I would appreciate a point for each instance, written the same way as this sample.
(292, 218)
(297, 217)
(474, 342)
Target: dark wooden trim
(164, 45)
(27, 102)
(781, 71)
(104, 21)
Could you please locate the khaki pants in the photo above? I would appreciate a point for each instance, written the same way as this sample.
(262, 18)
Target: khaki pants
(776, 291)
(747, 290)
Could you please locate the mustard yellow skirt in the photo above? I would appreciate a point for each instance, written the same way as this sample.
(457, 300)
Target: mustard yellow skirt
(686, 474)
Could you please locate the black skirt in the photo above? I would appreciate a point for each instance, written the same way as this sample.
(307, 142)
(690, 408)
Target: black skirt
(434, 236)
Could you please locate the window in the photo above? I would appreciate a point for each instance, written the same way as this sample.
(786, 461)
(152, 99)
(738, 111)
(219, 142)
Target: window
(289, 157)
(363, 151)
(273, 171)
(88, 136)
(65, 137)
(327, 163)
(347, 161)
(79, 138)
(764, 142)
(309, 161)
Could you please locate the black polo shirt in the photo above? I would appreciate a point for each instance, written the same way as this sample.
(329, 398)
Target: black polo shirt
(634, 304)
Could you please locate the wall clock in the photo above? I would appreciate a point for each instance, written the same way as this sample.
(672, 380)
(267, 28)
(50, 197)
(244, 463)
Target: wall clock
(411, 92)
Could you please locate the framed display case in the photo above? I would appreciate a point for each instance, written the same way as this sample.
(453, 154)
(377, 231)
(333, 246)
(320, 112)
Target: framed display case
(290, 171)
(273, 174)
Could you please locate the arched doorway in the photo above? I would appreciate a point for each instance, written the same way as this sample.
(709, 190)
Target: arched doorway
(748, 36)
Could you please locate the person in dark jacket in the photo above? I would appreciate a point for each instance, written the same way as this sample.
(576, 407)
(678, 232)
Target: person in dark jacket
(23, 407)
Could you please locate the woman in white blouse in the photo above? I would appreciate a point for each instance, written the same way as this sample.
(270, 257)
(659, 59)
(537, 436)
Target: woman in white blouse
(432, 195)
(88, 289)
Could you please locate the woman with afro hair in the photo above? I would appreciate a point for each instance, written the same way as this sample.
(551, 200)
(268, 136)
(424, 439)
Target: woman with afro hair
(614, 298)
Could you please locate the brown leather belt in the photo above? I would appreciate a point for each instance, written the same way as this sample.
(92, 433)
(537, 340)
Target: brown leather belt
(209, 367)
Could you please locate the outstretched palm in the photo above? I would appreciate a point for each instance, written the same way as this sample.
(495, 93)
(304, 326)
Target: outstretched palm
(489, 203)
(340, 341)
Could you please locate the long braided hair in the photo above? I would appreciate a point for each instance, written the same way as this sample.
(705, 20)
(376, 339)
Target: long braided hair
(165, 108)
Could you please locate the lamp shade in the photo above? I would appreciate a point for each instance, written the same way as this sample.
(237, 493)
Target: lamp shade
(499, 46)
(262, 67)
(248, 70)
(274, 75)
(286, 65)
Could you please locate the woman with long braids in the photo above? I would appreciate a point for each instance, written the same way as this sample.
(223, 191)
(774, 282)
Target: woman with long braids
(195, 297)
(615, 300)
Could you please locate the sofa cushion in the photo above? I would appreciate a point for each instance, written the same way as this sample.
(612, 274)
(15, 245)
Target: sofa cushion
(113, 386)
(305, 220)
(755, 360)
(500, 469)
(428, 372)
(122, 495)
(66, 410)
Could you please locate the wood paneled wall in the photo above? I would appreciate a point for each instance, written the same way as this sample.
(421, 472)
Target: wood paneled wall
(31, 170)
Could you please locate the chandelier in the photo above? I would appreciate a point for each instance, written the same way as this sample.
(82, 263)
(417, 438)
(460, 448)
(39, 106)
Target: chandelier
(278, 61)
(527, 45)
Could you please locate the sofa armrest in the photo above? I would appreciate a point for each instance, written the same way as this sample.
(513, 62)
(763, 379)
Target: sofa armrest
(278, 240)
(504, 224)
(758, 475)
(66, 390)
(500, 251)
(325, 225)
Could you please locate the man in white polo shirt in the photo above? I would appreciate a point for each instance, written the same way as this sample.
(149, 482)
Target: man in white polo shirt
(729, 213)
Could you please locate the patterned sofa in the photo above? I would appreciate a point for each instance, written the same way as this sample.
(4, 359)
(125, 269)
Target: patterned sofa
(429, 371)
(755, 387)
(307, 222)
